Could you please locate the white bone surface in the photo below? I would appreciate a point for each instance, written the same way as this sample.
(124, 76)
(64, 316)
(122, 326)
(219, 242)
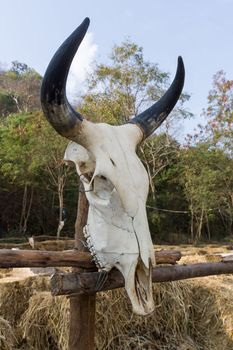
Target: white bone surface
(116, 185)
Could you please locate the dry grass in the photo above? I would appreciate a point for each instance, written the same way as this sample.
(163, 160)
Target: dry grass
(213, 312)
(45, 323)
(118, 329)
(14, 296)
(7, 337)
(14, 300)
(189, 315)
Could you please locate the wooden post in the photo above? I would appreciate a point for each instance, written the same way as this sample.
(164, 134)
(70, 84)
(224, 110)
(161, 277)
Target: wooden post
(82, 307)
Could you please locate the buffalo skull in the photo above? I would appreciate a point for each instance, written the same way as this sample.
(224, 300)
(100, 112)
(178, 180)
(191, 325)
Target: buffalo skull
(115, 181)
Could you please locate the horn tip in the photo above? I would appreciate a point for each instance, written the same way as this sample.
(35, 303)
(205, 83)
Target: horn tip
(87, 20)
(86, 23)
(180, 66)
(180, 61)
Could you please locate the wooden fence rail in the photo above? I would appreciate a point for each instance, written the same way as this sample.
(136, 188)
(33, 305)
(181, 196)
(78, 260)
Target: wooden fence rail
(70, 258)
(89, 283)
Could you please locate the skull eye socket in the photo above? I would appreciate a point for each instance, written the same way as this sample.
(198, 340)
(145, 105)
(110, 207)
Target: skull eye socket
(102, 187)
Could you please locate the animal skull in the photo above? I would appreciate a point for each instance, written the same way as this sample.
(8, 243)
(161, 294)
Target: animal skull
(117, 231)
(115, 181)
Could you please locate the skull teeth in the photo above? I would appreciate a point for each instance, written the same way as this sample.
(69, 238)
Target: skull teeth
(91, 248)
(85, 233)
(97, 261)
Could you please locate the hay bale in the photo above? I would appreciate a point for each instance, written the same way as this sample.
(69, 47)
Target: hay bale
(14, 300)
(189, 315)
(45, 324)
(7, 338)
(116, 327)
(212, 312)
(14, 296)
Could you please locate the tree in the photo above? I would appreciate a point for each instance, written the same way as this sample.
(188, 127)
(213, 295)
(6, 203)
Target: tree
(21, 86)
(16, 156)
(7, 105)
(220, 112)
(31, 158)
(167, 204)
(125, 87)
(209, 163)
(157, 153)
(218, 132)
(208, 182)
(51, 147)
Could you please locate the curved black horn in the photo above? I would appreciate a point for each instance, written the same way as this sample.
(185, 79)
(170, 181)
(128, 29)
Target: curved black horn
(152, 118)
(54, 102)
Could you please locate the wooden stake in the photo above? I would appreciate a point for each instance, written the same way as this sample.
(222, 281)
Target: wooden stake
(82, 307)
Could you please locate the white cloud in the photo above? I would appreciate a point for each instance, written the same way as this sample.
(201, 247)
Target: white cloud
(80, 66)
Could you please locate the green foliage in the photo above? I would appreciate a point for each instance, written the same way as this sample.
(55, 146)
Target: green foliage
(208, 183)
(21, 85)
(31, 156)
(220, 112)
(218, 132)
(167, 204)
(7, 105)
(16, 149)
(209, 163)
(125, 86)
(191, 188)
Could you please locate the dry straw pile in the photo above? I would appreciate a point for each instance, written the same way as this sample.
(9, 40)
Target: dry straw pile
(7, 337)
(189, 315)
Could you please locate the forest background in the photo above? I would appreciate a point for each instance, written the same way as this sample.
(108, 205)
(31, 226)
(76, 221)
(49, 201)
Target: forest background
(191, 180)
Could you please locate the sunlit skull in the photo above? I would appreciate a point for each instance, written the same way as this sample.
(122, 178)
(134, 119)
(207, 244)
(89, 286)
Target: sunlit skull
(116, 186)
(115, 181)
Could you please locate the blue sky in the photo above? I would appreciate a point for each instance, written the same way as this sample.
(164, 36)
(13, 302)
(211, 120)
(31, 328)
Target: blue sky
(199, 30)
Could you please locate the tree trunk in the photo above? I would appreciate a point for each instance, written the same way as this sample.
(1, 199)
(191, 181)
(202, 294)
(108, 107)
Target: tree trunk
(192, 224)
(200, 224)
(26, 210)
(61, 205)
(207, 224)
